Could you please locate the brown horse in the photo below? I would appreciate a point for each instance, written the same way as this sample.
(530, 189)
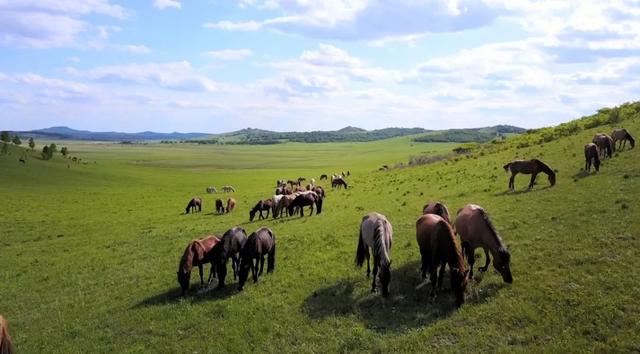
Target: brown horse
(283, 204)
(437, 208)
(591, 153)
(198, 253)
(376, 233)
(622, 135)
(439, 247)
(476, 230)
(305, 199)
(233, 241)
(260, 207)
(6, 345)
(231, 204)
(219, 206)
(338, 182)
(529, 167)
(193, 204)
(319, 191)
(605, 144)
(260, 243)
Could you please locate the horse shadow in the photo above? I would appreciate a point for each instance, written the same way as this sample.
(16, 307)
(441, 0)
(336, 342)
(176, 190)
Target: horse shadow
(521, 191)
(408, 306)
(582, 174)
(194, 295)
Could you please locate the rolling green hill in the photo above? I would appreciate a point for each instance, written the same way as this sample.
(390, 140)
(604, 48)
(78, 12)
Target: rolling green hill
(88, 253)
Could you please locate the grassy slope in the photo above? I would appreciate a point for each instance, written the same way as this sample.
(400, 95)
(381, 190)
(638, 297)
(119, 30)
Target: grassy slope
(88, 254)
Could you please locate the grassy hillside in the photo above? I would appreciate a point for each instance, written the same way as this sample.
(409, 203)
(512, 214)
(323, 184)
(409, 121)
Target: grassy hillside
(88, 253)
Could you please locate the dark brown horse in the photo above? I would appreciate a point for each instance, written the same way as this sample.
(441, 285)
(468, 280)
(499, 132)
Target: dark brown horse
(283, 204)
(319, 191)
(232, 242)
(622, 135)
(376, 233)
(605, 144)
(6, 345)
(591, 156)
(193, 204)
(437, 208)
(476, 230)
(198, 253)
(323, 177)
(338, 182)
(306, 199)
(259, 244)
(219, 206)
(283, 190)
(231, 204)
(263, 205)
(529, 167)
(439, 247)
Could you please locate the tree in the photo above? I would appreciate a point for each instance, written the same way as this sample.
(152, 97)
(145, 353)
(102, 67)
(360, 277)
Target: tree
(64, 151)
(32, 144)
(16, 140)
(46, 152)
(4, 136)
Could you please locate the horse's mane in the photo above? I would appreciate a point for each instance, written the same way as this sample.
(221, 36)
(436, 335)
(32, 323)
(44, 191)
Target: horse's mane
(455, 245)
(544, 167)
(502, 250)
(381, 250)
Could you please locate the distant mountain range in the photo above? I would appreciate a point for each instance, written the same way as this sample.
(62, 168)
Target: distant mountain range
(260, 136)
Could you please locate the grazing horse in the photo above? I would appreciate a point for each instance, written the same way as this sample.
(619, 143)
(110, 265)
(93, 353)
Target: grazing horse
(591, 154)
(605, 144)
(232, 242)
(300, 180)
(304, 199)
(622, 135)
(439, 247)
(337, 182)
(198, 253)
(211, 190)
(228, 189)
(6, 345)
(283, 204)
(323, 177)
(231, 204)
(261, 206)
(292, 183)
(274, 204)
(193, 204)
(376, 233)
(476, 230)
(437, 208)
(319, 191)
(260, 243)
(532, 167)
(219, 206)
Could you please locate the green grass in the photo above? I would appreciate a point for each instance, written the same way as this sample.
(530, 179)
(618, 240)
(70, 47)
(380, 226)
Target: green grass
(88, 253)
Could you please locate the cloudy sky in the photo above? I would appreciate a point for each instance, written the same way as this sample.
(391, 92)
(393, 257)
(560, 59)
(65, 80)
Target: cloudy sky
(216, 65)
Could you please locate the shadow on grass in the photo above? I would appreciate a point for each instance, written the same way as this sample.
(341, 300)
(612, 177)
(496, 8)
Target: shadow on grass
(194, 295)
(521, 191)
(582, 174)
(407, 307)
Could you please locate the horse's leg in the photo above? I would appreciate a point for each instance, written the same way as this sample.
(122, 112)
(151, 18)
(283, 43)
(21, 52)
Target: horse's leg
(254, 269)
(268, 210)
(433, 276)
(201, 271)
(443, 267)
(425, 267)
(271, 265)
(261, 263)
(234, 266)
(311, 212)
(366, 254)
(375, 273)
(486, 262)
(533, 180)
(511, 180)
(471, 257)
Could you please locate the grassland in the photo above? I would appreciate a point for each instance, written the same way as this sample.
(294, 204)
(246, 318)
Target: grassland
(88, 253)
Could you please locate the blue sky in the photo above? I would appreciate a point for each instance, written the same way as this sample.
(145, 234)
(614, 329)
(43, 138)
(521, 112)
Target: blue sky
(215, 66)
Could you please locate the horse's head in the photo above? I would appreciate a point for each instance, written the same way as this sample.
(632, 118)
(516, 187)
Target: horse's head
(506, 167)
(501, 264)
(243, 272)
(596, 164)
(183, 280)
(252, 214)
(385, 278)
(552, 179)
(459, 280)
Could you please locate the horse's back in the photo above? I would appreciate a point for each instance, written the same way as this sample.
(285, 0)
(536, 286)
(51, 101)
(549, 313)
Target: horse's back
(370, 223)
(468, 219)
(437, 208)
(265, 239)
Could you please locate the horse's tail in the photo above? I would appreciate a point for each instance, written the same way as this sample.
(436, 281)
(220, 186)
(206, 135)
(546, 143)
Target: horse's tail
(381, 249)
(361, 251)
(506, 167)
(632, 141)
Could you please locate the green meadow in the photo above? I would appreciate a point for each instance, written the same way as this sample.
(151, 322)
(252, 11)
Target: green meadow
(89, 252)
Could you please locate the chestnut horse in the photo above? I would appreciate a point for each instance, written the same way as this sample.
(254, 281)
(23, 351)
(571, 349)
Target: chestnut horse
(437, 208)
(261, 206)
(591, 155)
(529, 167)
(605, 144)
(6, 345)
(304, 199)
(193, 204)
(198, 253)
(231, 204)
(283, 204)
(260, 243)
(476, 230)
(376, 233)
(319, 191)
(219, 206)
(337, 182)
(622, 135)
(439, 247)
(232, 242)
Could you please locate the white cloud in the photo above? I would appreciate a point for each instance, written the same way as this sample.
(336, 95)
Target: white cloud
(163, 4)
(136, 49)
(249, 26)
(229, 54)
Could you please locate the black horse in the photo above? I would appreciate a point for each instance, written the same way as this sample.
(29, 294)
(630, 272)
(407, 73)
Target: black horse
(305, 199)
(193, 204)
(232, 242)
(260, 207)
(260, 243)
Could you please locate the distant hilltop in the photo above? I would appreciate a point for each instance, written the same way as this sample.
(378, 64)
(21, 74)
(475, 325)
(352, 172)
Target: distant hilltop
(260, 136)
